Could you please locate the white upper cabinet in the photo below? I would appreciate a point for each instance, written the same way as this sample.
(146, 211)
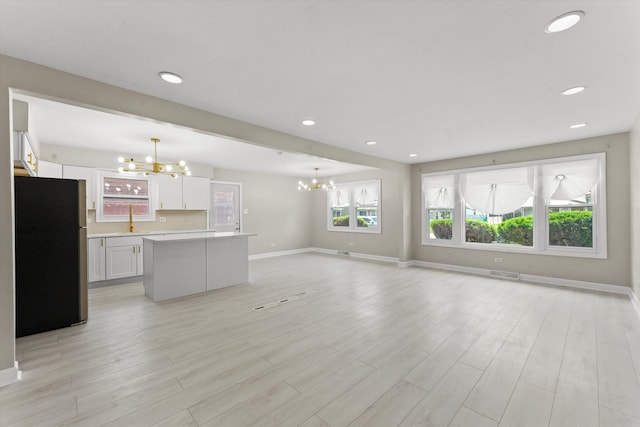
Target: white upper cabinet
(196, 193)
(24, 156)
(49, 169)
(89, 175)
(169, 192)
(183, 193)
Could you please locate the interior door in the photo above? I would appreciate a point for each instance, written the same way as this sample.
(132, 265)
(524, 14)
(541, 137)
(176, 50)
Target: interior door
(225, 207)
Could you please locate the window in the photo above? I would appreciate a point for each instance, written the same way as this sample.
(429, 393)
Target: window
(359, 200)
(439, 201)
(554, 206)
(122, 195)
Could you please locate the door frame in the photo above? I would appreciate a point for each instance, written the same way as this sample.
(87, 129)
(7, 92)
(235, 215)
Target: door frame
(240, 211)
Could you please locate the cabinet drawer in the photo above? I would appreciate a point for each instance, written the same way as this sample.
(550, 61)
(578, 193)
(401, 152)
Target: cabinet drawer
(124, 241)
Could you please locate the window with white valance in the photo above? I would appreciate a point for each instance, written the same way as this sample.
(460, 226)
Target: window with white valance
(569, 180)
(359, 200)
(554, 206)
(439, 194)
(439, 191)
(498, 191)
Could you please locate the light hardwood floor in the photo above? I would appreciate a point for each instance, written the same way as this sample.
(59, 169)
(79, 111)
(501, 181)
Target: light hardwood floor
(358, 344)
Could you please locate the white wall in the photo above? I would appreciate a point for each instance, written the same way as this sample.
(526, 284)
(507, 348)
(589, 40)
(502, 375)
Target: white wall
(634, 160)
(276, 211)
(615, 270)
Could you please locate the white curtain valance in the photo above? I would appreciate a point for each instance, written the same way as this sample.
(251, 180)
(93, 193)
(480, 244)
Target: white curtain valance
(339, 197)
(366, 194)
(569, 180)
(499, 191)
(439, 192)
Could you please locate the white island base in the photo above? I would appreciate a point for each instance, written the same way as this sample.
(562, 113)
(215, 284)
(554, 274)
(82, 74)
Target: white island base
(177, 265)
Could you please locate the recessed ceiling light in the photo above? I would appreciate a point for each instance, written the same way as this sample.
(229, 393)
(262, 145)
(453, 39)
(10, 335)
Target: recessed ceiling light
(170, 77)
(564, 22)
(371, 142)
(578, 125)
(573, 90)
(413, 155)
(308, 122)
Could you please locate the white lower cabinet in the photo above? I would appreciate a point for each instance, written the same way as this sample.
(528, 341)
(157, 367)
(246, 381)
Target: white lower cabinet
(96, 248)
(123, 257)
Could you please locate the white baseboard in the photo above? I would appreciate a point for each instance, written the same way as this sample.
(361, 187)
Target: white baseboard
(602, 287)
(324, 251)
(634, 302)
(10, 375)
(279, 253)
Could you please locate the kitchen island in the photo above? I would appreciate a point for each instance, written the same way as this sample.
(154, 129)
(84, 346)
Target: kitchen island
(183, 264)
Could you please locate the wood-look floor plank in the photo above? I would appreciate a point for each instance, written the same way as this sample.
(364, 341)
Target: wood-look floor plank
(392, 407)
(351, 404)
(467, 418)
(340, 351)
(576, 397)
(493, 391)
(444, 400)
(529, 406)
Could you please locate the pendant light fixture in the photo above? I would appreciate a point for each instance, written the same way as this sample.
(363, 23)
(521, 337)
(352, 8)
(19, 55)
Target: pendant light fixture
(316, 184)
(151, 165)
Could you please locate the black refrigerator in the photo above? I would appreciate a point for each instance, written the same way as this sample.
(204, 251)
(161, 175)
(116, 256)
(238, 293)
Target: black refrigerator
(50, 254)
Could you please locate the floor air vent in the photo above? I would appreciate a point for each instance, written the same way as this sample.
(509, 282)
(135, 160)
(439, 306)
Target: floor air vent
(343, 253)
(283, 300)
(505, 274)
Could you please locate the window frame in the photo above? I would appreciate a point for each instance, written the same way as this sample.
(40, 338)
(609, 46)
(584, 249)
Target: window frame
(353, 227)
(541, 244)
(100, 217)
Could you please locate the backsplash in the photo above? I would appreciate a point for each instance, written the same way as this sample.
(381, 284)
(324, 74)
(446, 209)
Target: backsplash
(175, 221)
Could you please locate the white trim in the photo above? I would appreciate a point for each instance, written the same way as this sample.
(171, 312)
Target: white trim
(405, 264)
(382, 258)
(602, 287)
(279, 253)
(10, 375)
(323, 250)
(634, 302)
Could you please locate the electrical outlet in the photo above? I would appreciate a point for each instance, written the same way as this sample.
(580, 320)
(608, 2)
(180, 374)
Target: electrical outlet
(350, 243)
(163, 219)
(498, 259)
(273, 245)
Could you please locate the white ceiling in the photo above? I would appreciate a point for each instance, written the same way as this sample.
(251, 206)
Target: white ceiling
(441, 79)
(59, 124)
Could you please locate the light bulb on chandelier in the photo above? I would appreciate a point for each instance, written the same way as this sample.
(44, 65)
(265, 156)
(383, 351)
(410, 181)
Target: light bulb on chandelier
(151, 165)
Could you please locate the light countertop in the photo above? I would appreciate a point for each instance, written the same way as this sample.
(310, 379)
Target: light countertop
(195, 236)
(145, 233)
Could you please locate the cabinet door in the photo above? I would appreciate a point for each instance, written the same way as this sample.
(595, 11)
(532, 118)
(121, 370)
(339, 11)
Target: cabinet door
(24, 155)
(49, 169)
(139, 258)
(169, 192)
(121, 261)
(96, 259)
(89, 175)
(196, 193)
